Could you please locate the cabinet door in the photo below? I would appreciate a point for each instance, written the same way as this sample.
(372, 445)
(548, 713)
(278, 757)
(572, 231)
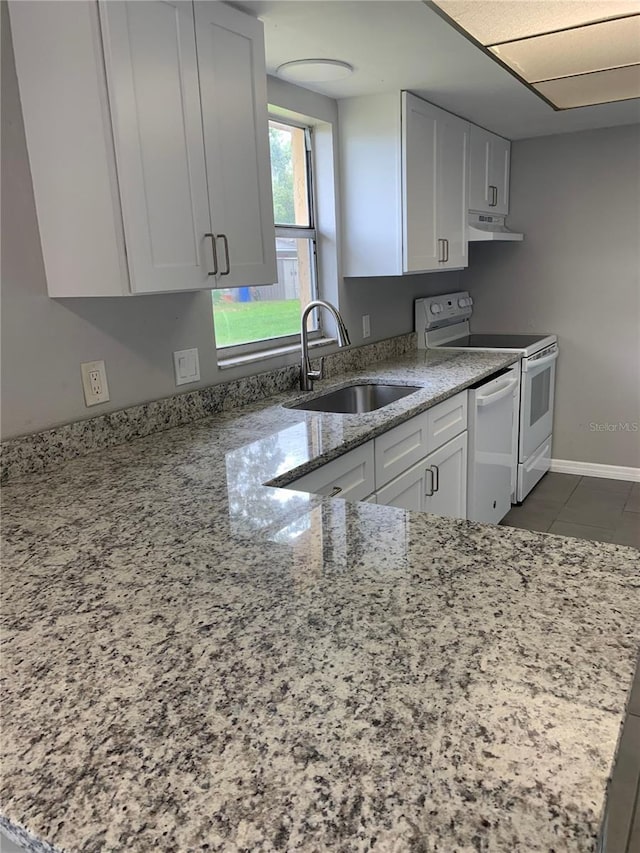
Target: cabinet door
(63, 95)
(234, 112)
(479, 155)
(408, 491)
(152, 78)
(453, 189)
(500, 157)
(488, 172)
(449, 466)
(420, 184)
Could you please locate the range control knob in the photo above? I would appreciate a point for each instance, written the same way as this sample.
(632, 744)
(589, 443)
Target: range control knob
(462, 303)
(436, 308)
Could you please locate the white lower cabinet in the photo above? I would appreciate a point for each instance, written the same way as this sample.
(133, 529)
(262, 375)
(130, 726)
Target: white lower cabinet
(449, 465)
(437, 484)
(419, 465)
(408, 490)
(350, 476)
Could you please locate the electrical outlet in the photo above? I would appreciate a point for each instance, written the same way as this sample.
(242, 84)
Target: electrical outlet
(94, 382)
(186, 366)
(366, 326)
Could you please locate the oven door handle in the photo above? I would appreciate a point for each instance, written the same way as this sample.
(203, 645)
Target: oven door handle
(497, 395)
(531, 364)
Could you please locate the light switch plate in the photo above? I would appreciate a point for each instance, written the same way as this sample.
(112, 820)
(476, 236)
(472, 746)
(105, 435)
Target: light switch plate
(186, 366)
(94, 382)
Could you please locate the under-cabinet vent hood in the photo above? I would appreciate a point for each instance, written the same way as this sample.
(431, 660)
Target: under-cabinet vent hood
(482, 226)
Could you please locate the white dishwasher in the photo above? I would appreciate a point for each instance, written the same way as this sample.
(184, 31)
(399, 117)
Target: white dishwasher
(493, 445)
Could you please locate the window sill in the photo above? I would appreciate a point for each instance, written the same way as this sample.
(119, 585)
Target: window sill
(272, 352)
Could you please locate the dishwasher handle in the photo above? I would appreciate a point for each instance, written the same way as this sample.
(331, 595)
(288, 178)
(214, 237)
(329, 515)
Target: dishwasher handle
(489, 399)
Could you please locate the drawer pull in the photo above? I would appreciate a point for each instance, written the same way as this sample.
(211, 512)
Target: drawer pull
(335, 491)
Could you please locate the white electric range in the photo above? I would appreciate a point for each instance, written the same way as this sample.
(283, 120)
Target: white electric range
(443, 322)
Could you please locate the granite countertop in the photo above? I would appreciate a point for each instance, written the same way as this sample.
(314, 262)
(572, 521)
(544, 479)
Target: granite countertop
(195, 661)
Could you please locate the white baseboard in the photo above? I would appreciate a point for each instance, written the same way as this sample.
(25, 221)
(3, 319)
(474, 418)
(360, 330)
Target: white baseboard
(595, 469)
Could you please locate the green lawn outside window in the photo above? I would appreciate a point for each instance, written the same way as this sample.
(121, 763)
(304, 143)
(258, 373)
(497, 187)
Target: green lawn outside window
(240, 322)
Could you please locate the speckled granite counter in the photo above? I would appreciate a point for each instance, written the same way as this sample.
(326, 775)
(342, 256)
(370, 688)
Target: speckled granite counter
(194, 661)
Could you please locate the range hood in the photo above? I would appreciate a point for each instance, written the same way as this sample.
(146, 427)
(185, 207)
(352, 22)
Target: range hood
(483, 226)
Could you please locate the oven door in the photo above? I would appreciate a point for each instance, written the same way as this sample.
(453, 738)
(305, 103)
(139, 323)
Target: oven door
(536, 400)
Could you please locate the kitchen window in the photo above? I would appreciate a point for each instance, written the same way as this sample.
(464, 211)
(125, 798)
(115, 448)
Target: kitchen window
(249, 319)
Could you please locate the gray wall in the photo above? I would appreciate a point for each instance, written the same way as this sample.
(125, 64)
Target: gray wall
(576, 197)
(45, 340)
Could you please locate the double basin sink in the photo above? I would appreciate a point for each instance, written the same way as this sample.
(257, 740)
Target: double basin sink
(356, 399)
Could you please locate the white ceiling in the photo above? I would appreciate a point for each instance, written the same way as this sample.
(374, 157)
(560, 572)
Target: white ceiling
(403, 44)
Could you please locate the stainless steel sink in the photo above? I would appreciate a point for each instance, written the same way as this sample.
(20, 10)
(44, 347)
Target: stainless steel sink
(357, 399)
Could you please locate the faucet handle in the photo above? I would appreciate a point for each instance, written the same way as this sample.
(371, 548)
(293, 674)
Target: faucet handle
(317, 374)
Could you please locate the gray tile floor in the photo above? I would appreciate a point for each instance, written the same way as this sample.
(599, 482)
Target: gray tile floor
(606, 511)
(584, 507)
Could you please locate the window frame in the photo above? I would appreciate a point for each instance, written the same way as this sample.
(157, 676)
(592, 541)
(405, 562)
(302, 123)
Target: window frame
(297, 232)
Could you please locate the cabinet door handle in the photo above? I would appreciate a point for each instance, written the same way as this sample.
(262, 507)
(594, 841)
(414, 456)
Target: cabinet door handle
(494, 196)
(429, 493)
(225, 242)
(215, 254)
(436, 484)
(440, 250)
(334, 491)
(446, 243)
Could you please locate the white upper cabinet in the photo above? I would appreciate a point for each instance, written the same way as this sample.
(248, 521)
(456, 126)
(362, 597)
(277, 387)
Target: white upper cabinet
(152, 76)
(421, 246)
(234, 109)
(435, 151)
(67, 123)
(404, 166)
(489, 172)
(132, 195)
(453, 189)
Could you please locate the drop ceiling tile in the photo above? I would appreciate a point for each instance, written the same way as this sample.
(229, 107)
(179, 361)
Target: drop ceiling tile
(492, 21)
(602, 87)
(592, 48)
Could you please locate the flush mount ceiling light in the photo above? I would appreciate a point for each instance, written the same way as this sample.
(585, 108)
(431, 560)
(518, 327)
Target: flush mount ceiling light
(572, 53)
(314, 70)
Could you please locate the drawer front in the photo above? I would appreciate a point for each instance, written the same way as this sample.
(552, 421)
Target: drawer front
(400, 448)
(446, 420)
(350, 476)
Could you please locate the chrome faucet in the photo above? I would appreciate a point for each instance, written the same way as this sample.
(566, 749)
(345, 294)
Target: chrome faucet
(307, 375)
